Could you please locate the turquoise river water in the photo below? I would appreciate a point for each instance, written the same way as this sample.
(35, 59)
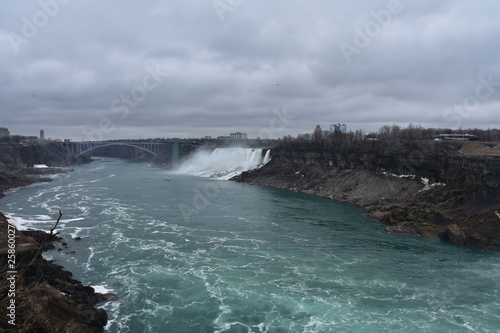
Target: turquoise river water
(197, 254)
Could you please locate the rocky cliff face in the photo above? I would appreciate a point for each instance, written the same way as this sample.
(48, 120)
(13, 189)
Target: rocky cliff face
(425, 188)
(54, 154)
(15, 158)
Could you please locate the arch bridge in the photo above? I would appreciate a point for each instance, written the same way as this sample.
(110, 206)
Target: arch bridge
(80, 148)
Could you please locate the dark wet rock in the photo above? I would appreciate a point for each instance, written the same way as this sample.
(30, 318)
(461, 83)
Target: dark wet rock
(403, 228)
(100, 319)
(455, 235)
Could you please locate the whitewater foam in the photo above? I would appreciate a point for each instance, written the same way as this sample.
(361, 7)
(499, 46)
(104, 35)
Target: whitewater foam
(36, 221)
(102, 289)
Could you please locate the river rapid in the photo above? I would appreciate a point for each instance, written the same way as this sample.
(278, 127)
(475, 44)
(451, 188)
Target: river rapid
(197, 254)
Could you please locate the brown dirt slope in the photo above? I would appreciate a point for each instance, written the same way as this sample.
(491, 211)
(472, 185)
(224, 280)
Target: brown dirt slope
(474, 147)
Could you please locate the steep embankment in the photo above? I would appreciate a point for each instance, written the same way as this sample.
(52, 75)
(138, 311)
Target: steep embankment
(15, 160)
(419, 187)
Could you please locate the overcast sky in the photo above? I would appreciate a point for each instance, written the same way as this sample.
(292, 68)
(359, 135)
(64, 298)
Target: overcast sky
(189, 68)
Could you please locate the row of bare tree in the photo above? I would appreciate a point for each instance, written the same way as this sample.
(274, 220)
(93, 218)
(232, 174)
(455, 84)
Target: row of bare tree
(396, 132)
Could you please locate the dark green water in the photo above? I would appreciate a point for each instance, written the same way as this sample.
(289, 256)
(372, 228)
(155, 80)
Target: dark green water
(203, 255)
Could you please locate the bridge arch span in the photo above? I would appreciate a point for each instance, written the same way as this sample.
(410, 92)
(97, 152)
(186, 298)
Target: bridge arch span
(116, 144)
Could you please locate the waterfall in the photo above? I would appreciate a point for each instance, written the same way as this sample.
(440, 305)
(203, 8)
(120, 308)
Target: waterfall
(223, 163)
(267, 158)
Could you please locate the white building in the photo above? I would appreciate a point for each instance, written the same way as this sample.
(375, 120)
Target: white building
(238, 136)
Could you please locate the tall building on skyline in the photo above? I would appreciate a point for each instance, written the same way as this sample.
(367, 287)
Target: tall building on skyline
(342, 128)
(318, 133)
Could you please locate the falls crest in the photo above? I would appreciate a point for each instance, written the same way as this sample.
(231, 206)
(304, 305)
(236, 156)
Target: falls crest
(224, 163)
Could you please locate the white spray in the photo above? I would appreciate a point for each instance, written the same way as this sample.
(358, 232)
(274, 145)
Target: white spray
(223, 163)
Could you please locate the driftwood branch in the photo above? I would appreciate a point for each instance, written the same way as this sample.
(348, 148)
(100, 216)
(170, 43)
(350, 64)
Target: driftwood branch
(49, 236)
(55, 225)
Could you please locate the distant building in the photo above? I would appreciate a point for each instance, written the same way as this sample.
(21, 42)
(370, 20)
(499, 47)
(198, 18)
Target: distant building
(4, 132)
(42, 136)
(318, 133)
(238, 136)
(342, 128)
(223, 138)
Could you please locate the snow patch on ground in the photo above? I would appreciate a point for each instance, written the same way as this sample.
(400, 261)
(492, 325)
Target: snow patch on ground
(428, 185)
(398, 176)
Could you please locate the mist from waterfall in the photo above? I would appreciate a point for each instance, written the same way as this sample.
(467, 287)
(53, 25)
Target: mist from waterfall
(223, 163)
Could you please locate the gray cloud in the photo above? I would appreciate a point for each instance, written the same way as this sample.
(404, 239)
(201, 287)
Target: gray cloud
(67, 71)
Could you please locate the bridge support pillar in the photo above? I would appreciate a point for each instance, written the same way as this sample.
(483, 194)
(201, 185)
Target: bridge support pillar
(175, 150)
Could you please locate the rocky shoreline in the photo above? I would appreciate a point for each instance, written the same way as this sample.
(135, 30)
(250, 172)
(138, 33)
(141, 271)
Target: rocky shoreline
(46, 298)
(14, 179)
(444, 195)
(27, 176)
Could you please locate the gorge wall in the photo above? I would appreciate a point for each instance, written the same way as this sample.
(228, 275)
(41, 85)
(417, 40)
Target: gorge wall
(15, 160)
(14, 155)
(425, 188)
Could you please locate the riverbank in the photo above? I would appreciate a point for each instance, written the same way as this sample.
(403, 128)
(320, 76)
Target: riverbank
(428, 189)
(37, 295)
(26, 176)
(17, 161)
(14, 179)
(42, 296)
